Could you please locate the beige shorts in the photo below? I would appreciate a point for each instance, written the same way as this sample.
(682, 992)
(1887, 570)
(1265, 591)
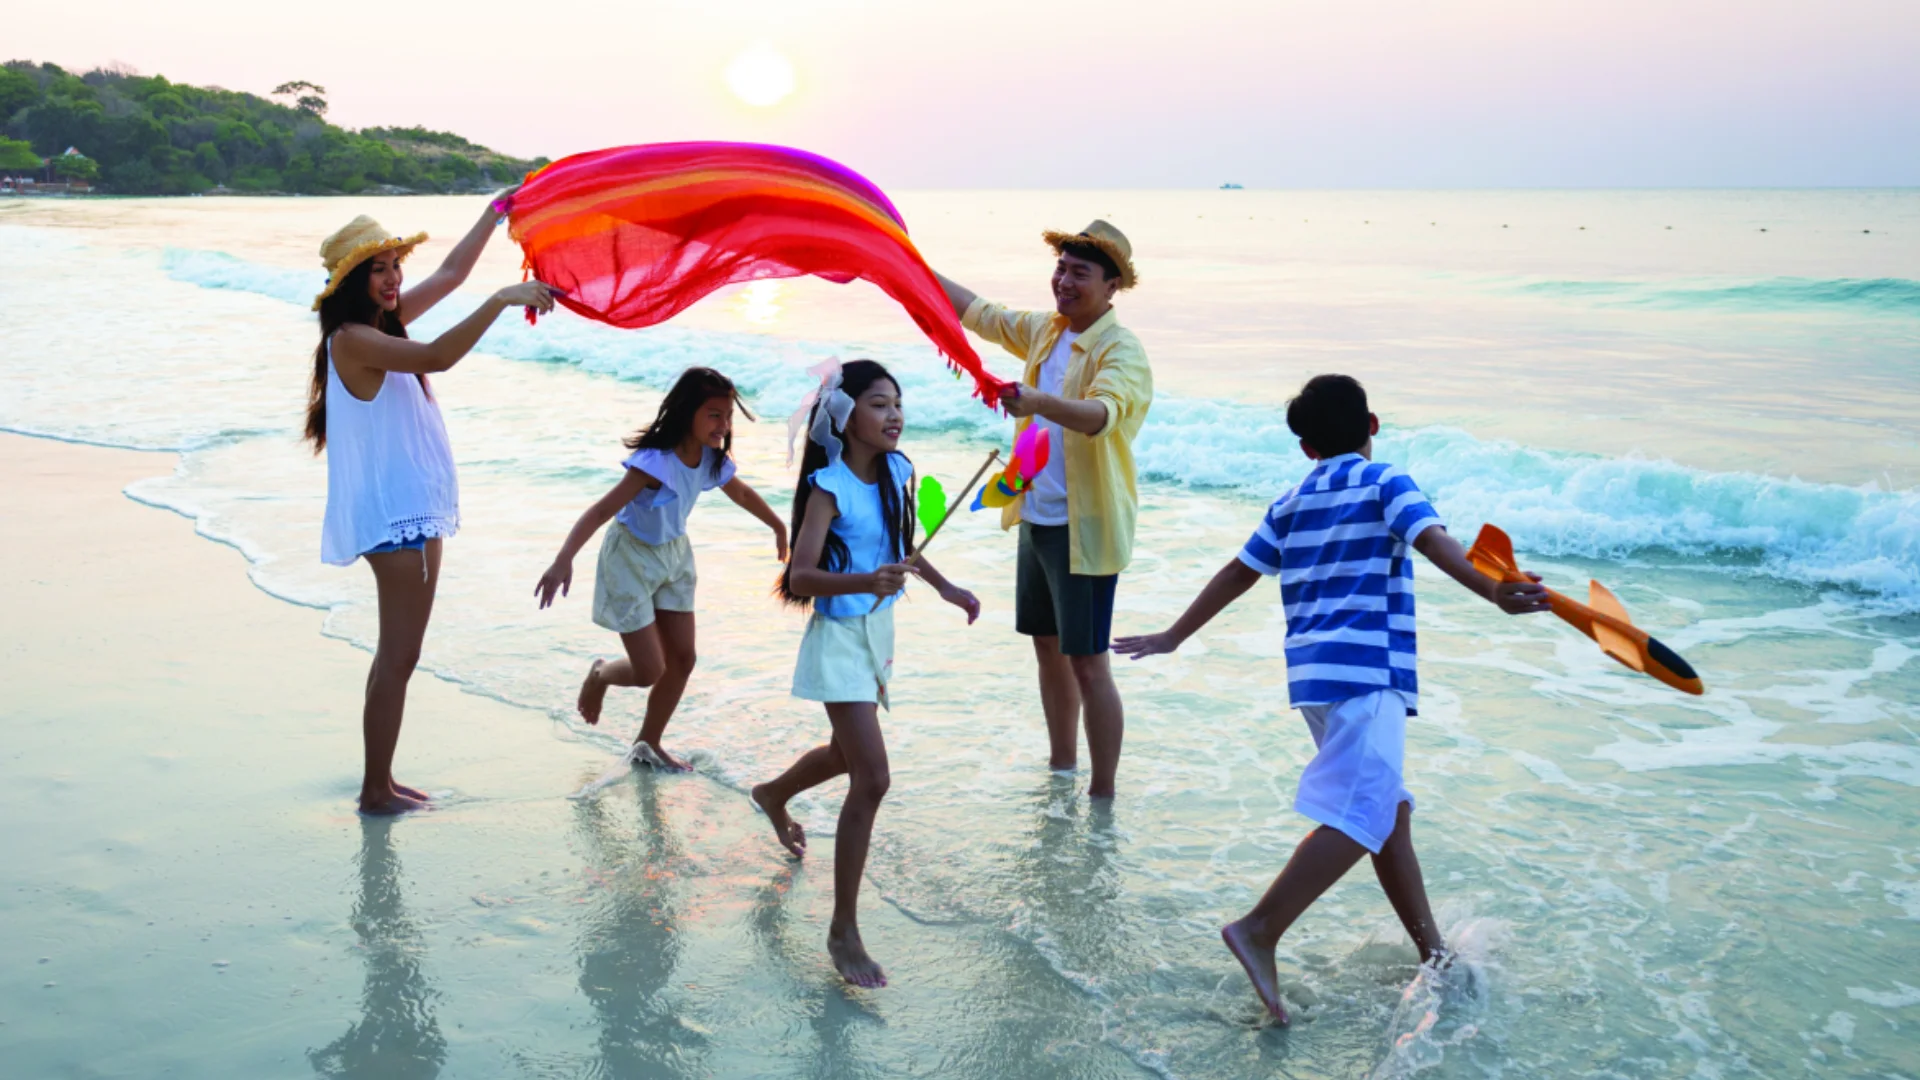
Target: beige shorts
(636, 579)
(846, 660)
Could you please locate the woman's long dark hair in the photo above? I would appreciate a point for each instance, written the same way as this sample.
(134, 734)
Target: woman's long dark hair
(896, 503)
(696, 387)
(350, 303)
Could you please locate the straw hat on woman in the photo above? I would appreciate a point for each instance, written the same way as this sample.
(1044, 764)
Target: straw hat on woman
(392, 496)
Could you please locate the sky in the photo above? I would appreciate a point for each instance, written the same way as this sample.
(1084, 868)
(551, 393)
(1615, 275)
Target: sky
(1035, 94)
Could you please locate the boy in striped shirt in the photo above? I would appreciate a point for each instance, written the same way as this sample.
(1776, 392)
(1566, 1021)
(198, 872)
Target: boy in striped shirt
(1338, 542)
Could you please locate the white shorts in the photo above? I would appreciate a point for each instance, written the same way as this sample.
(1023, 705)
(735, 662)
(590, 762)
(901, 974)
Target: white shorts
(1355, 782)
(635, 579)
(846, 660)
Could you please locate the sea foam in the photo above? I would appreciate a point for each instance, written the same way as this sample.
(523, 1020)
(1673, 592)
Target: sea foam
(1863, 538)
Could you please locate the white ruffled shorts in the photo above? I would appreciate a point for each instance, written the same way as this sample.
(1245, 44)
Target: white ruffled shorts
(846, 660)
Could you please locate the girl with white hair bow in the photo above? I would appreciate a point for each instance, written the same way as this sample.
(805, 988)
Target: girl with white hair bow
(853, 534)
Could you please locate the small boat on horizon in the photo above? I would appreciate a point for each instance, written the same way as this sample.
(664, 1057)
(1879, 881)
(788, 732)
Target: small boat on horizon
(1231, 187)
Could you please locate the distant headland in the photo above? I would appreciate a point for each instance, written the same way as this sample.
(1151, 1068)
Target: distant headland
(114, 131)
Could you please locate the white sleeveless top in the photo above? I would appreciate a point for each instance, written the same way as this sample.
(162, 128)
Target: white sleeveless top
(390, 475)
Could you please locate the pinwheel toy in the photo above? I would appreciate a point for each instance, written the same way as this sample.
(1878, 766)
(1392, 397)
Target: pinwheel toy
(1030, 453)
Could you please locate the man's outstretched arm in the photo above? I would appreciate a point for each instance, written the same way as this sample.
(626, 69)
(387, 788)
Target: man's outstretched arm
(958, 295)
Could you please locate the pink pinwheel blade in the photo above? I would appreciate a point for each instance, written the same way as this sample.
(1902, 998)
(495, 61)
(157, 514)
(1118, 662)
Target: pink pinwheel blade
(1031, 450)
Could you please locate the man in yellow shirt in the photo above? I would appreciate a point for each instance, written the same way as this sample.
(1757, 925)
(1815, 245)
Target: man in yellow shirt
(1088, 381)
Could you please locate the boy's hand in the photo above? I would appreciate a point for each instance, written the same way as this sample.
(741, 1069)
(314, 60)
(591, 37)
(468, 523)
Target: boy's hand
(780, 543)
(962, 599)
(1145, 645)
(559, 577)
(1521, 597)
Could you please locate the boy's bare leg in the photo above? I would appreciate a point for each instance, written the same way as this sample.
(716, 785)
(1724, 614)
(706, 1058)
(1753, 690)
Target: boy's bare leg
(1398, 869)
(1320, 860)
(856, 730)
(676, 643)
(642, 666)
(1060, 701)
(1105, 719)
(815, 767)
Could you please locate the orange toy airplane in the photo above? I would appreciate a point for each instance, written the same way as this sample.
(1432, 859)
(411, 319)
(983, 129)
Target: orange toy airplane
(1603, 618)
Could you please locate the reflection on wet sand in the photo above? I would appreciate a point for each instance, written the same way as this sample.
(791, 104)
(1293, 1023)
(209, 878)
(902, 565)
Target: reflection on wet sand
(397, 1035)
(630, 942)
(1061, 892)
(1065, 882)
(834, 1011)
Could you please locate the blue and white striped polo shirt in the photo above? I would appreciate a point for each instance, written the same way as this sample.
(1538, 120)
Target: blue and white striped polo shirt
(1340, 544)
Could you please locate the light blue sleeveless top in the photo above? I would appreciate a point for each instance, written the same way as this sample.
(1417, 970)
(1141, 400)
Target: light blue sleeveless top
(659, 515)
(862, 528)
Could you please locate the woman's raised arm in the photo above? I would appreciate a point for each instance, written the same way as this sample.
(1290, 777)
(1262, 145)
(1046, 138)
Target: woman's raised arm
(459, 262)
(364, 348)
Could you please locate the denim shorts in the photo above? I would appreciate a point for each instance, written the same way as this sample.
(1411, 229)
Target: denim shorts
(418, 543)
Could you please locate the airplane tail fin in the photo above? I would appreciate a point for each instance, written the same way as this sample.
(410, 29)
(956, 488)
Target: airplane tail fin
(1492, 553)
(1611, 641)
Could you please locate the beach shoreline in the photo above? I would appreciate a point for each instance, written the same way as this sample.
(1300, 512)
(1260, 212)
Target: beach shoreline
(155, 922)
(127, 543)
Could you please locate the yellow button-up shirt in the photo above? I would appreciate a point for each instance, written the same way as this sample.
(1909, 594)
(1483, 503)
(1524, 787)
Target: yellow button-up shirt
(1108, 365)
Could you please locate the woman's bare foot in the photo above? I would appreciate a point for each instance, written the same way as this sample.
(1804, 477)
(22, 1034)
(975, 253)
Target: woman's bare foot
(388, 803)
(593, 694)
(850, 957)
(785, 829)
(411, 793)
(1257, 959)
(654, 756)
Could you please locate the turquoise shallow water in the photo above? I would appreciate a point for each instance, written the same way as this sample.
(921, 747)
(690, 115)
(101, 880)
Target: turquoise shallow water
(1718, 422)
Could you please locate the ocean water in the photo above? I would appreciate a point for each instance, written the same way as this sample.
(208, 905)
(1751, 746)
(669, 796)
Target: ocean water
(1707, 400)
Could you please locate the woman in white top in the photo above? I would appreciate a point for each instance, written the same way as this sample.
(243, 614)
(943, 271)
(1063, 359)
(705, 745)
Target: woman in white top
(643, 585)
(391, 490)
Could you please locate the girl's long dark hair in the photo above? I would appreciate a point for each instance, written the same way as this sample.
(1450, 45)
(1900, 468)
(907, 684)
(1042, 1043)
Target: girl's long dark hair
(896, 503)
(696, 387)
(350, 303)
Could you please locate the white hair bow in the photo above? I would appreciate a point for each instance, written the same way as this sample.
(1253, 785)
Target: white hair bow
(836, 407)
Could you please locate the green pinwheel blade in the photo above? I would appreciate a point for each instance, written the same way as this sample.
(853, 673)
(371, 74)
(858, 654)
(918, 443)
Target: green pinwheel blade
(932, 504)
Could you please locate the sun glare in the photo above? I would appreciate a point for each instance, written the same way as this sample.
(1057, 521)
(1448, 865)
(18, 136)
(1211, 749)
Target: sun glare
(760, 76)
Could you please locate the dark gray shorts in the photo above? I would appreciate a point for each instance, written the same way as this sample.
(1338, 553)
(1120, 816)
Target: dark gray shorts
(1050, 601)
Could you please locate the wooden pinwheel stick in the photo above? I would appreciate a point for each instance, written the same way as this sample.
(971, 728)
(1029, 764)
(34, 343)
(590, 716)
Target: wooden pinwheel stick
(952, 505)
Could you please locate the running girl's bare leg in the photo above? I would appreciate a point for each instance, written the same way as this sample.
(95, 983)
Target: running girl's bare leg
(676, 644)
(815, 767)
(640, 667)
(406, 603)
(856, 731)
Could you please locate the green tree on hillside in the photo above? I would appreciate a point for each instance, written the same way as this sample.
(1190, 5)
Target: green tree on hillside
(17, 156)
(308, 97)
(71, 167)
(146, 135)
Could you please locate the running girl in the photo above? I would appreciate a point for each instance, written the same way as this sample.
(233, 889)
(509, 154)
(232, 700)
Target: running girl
(643, 586)
(853, 532)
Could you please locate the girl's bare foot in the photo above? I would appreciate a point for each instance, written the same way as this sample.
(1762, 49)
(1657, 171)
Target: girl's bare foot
(411, 793)
(850, 957)
(785, 829)
(593, 693)
(1257, 959)
(388, 803)
(654, 756)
